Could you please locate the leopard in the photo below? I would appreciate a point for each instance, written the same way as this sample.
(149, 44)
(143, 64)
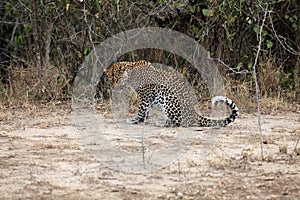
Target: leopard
(168, 91)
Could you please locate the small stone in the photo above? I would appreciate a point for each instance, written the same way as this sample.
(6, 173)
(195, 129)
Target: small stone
(179, 194)
(297, 151)
(283, 148)
(173, 190)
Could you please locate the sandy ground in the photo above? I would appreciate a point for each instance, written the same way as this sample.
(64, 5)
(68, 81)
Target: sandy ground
(44, 155)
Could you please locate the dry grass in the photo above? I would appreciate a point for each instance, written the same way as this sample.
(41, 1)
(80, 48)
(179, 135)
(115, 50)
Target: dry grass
(25, 87)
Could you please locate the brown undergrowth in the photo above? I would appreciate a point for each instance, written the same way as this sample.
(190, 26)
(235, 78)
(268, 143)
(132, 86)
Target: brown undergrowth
(24, 90)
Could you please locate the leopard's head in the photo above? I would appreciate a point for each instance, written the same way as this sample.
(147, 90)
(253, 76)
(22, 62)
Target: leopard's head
(118, 73)
(115, 73)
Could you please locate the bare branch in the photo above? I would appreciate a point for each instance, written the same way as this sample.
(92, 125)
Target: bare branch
(13, 23)
(257, 90)
(281, 39)
(233, 70)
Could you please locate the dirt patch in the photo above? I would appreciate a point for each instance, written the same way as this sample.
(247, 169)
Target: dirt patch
(42, 156)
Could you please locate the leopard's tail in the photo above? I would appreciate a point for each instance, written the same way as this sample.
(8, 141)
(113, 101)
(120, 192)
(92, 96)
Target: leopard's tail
(226, 121)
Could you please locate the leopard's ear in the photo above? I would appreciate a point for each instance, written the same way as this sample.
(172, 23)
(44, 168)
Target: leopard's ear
(143, 62)
(106, 69)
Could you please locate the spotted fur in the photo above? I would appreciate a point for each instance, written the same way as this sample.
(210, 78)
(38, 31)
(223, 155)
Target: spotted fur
(167, 90)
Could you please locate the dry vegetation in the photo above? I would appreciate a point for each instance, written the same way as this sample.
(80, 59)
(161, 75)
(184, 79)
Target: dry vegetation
(44, 43)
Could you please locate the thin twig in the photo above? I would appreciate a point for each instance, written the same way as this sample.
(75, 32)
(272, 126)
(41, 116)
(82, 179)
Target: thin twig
(89, 27)
(143, 141)
(296, 144)
(37, 44)
(257, 90)
(143, 137)
(233, 70)
(282, 41)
